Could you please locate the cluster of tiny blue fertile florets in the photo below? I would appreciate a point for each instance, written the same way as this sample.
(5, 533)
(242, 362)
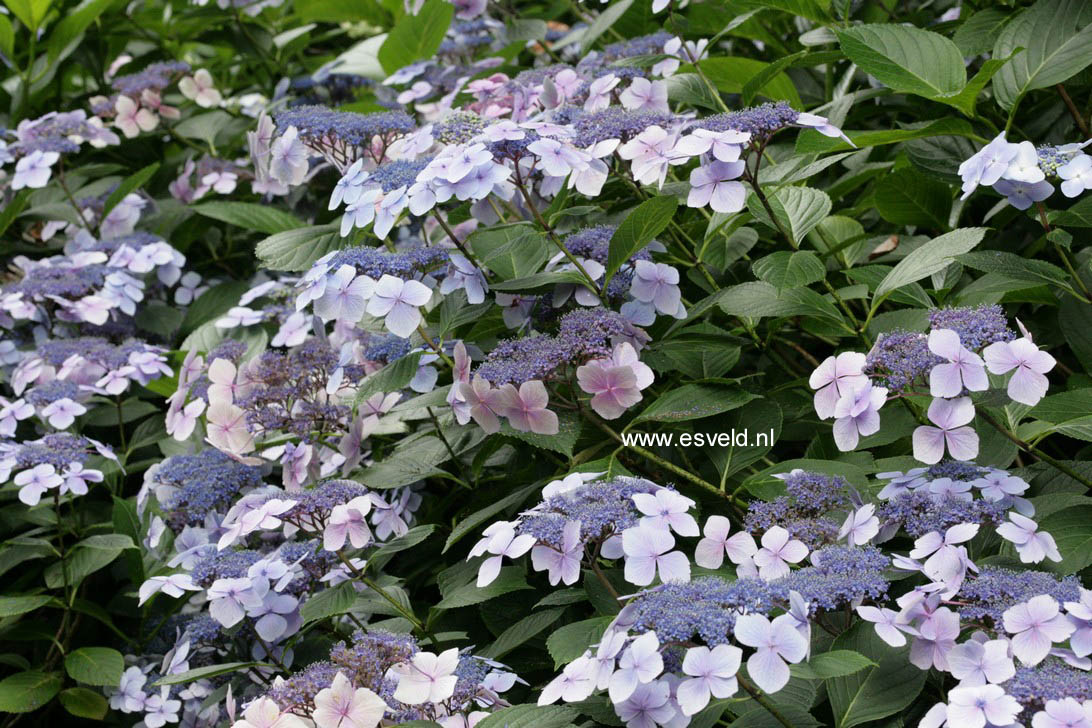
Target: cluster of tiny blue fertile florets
(920, 512)
(705, 607)
(200, 484)
(318, 124)
(977, 327)
(899, 360)
(603, 508)
(807, 510)
(615, 122)
(995, 589)
(759, 121)
(839, 576)
(376, 263)
(582, 334)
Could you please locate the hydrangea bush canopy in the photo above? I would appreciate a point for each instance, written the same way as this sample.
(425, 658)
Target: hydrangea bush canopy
(481, 364)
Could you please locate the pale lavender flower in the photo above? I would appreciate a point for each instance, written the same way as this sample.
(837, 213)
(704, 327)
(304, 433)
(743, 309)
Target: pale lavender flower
(713, 673)
(935, 638)
(1028, 383)
(398, 301)
(1077, 174)
(648, 706)
(715, 185)
(614, 389)
(775, 643)
(860, 526)
(1031, 544)
(640, 663)
(348, 520)
(1023, 195)
(658, 284)
(503, 542)
(964, 370)
(716, 542)
(645, 95)
(1063, 713)
(230, 598)
(777, 552)
(526, 409)
(834, 378)
(979, 706)
(667, 510)
(987, 165)
(1035, 625)
(562, 565)
(889, 628)
(857, 414)
(33, 170)
(647, 551)
(949, 416)
(979, 663)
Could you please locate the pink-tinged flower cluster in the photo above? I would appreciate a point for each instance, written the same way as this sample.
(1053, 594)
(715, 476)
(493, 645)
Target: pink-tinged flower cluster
(940, 364)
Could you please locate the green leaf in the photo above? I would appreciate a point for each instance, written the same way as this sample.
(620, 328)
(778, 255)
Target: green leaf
(758, 299)
(540, 281)
(640, 228)
(796, 210)
(410, 461)
(84, 703)
(930, 258)
(908, 197)
(7, 47)
(328, 602)
(1075, 320)
(567, 643)
(510, 251)
(200, 673)
(14, 606)
(85, 558)
(812, 142)
(474, 520)
(906, 59)
(24, 692)
(602, 23)
(967, 99)
(133, 182)
(296, 250)
(1016, 267)
(31, 13)
(730, 74)
(754, 85)
(205, 127)
(530, 716)
(408, 540)
(510, 579)
(694, 402)
(568, 432)
(875, 692)
(1072, 531)
(260, 218)
(785, 269)
(74, 22)
(416, 36)
(836, 663)
(95, 666)
(1079, 215)
(1056, 36)
(523, 630)
(688, 88)
(212, 304)
(976, 35)
(391, 378)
